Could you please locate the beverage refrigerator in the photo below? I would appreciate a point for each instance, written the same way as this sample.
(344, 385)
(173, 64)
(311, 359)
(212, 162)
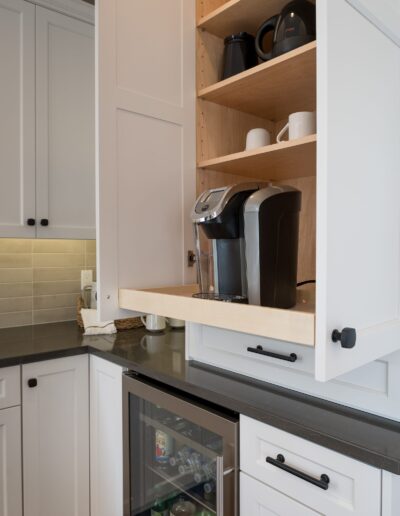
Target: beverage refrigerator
(180, 453)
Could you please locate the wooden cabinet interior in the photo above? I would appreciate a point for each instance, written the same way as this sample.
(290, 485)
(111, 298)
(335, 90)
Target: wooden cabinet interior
(263, 96)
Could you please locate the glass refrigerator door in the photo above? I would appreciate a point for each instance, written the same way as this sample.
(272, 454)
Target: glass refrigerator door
(182, 457)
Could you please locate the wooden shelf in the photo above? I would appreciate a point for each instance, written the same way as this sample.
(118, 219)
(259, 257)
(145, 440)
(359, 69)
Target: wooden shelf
(294, 325)
(278, 161)
(273, 89)
(240, 15)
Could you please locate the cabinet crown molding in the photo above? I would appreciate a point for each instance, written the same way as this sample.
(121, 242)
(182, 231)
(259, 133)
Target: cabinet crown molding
(76, 8)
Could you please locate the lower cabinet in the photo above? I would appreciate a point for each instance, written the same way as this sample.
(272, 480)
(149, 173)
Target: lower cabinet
(318, 479)
(257, 499)
(10, 462)
(106, 489)
(55, 401)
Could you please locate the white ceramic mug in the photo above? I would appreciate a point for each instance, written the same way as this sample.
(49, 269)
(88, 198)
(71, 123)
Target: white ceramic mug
(300, 124)
(256, 138)
(176, 323)
(154, 322)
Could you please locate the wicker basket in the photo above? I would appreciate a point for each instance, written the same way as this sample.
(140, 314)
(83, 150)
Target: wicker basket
(121, 324)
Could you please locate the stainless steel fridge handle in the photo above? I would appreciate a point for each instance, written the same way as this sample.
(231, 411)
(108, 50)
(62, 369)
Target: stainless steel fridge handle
(221, 473)
(220, 486)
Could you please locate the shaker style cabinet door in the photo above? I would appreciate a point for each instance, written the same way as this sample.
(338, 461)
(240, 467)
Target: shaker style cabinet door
(65, 124)
(358, 184)
(10, 462)
(146, 145)
(17, 120)
(55, 412)
(106, 488)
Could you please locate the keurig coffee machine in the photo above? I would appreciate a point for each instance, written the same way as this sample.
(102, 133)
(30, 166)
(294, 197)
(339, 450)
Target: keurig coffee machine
(271, 232)
(246, 244)
(218, 224)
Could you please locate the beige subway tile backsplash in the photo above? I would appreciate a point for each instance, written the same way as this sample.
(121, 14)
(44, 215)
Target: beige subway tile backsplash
(40, 279)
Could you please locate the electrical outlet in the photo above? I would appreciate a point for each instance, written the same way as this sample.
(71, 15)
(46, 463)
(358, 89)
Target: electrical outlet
(86, 278)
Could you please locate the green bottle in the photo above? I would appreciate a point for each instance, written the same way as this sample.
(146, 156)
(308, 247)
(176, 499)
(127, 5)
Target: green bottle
(160, 508)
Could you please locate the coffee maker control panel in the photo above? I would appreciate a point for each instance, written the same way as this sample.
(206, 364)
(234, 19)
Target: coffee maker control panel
(211, 203)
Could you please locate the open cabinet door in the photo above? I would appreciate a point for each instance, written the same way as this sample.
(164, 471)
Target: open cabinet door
(145, 144)
(385, 14)
(358, 208)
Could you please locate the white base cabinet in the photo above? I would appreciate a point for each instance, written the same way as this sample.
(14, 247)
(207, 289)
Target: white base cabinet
(55, 396)
(323, 480)
(106, 488)
(10, 462)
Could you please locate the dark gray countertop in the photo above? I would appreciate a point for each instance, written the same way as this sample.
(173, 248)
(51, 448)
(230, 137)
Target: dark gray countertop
(367, 438)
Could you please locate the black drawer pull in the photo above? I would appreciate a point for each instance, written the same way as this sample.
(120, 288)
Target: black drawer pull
(259, 349)
(32, 382)
(279, 462)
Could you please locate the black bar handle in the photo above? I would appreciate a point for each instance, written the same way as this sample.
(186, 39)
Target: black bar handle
(279, 462)
(260, 351)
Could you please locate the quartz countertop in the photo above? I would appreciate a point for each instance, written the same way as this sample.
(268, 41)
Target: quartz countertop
(161, 357)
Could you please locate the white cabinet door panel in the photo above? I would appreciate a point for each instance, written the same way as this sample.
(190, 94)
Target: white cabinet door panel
(17, 123)
(146, 145)
(385, 14)
(56, 437)
(106, 488)
(10, 462)
(65, 93)
(358, 211)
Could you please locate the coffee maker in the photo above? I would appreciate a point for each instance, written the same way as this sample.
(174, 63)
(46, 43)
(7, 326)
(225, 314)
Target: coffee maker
(246, 244)
(219, 234)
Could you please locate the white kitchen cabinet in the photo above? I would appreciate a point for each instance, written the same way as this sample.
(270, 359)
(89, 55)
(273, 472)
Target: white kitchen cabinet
(350, 205)
(326, 481)
(65, 126)
(55, 400)
(10, 462)
(47, 127)
(106, 487)
(17, 123)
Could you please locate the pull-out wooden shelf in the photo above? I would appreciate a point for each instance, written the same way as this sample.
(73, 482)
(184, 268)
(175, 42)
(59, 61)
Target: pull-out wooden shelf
(285, 160)
(295, 325)
(240, 15)
(273, 89)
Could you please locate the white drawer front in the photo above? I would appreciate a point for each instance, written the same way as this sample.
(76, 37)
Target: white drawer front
(257, 499)
(10, 387)
(354, 488)
(236, 352)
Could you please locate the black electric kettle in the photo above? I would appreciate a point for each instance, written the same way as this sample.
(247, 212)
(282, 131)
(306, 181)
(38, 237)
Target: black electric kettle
(293, 27)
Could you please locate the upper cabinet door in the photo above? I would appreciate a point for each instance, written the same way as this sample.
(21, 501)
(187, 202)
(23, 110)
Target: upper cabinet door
(146, 144)
(65, 96)
(358, 208)
(17, 121)
(385, 14)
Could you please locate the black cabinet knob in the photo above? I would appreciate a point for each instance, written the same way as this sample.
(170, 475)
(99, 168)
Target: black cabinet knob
(347, 337)
(44, 222)
(32, 382)
(31, 222)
